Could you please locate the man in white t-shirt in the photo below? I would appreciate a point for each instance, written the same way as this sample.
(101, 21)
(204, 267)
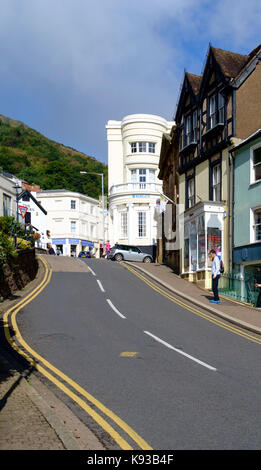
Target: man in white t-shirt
(215, 273)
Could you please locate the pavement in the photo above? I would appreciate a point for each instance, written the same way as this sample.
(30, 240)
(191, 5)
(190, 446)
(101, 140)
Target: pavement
(238, 313)
(31, 415)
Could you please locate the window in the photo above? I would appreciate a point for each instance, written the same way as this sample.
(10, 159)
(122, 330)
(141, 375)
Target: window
(190, 192)
(256, 164)
(134, 176)
(212, 111)
(142, 178)
(221, 109)
(141, 224)
(6, 205)
(152, 147)
(152, 176)
(201, 242)
(124, 225)
(216, 182)
(257, 225)
(73, 204)
(216, 110)
(187, 136)
(73, 226)
(133, 147)
(195, 122)
(142, 147)
(92, 227)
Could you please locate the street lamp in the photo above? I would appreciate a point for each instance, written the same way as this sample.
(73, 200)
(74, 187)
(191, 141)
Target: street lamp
(16, 187)
(99, 174)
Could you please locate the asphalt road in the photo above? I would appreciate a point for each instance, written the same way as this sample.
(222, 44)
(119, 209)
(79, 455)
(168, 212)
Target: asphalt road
(188, 384)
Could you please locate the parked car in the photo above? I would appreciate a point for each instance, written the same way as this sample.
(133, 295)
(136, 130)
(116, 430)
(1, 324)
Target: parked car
(129, 253)
(84, 254)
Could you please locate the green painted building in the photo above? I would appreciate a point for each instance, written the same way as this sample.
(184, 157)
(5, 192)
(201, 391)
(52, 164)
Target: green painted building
(247, 216)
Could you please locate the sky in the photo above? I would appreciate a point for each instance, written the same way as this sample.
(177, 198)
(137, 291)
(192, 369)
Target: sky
(69, 66)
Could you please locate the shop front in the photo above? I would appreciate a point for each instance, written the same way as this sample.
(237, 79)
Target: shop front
(203, 230)
(71, 246)
(87, 245)
(59, 245)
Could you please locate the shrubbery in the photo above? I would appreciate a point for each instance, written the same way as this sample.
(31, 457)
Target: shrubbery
(7, 232)
(7, 248)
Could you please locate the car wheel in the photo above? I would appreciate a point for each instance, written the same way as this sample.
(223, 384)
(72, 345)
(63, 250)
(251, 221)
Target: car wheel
(147, 259)
(118, 257)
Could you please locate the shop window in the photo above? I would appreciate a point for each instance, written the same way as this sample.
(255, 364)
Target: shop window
(201, 243)
(186, 255)
(193, 246)
(214, 240)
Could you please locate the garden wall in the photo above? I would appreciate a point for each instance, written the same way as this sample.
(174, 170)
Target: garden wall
(18, 272)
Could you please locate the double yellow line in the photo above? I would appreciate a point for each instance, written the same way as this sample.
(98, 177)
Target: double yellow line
(195, 311)
(60, 379)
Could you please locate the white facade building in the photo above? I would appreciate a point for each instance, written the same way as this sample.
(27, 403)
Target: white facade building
(133, 156)
(8, 204)
(74, 221)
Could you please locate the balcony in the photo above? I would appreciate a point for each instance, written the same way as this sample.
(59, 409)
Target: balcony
(137, 188)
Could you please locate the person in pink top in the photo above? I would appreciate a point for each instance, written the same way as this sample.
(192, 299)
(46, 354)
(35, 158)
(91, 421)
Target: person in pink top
(107, 248)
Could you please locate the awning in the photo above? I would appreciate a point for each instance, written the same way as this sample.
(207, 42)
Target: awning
(58, 241)
(87, 243)
(74, 241)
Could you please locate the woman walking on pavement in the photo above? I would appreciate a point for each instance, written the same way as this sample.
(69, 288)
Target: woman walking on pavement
(215, 273)
(107, 248)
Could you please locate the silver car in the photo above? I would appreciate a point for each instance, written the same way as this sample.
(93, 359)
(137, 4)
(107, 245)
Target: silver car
(129, 253)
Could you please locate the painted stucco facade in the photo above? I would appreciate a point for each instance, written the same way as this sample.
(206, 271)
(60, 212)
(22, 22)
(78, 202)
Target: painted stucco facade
(74, 221)
(134, 146)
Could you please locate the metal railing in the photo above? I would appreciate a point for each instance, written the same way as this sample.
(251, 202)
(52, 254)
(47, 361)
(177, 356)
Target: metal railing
(135, 187)
(242, 288)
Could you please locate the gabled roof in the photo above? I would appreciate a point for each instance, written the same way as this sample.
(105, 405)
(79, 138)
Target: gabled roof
(232, 69)
(230, 63)
(27, 193)
(195, 81)
(191, 85)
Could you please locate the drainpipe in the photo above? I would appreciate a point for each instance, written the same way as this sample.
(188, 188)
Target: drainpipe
(231, 210)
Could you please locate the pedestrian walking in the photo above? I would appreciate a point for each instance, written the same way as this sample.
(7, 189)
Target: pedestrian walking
(215, 273)
(107, 248)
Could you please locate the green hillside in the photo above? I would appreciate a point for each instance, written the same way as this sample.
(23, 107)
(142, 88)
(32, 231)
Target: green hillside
(29, 155)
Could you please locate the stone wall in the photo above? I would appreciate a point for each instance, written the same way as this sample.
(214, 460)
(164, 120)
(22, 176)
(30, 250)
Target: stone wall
(18, 272)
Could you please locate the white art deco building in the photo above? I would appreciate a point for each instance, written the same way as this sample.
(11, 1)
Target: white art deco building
(133, 156)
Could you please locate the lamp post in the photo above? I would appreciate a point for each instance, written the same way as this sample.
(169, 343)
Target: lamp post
(99, 174)
(16, 187)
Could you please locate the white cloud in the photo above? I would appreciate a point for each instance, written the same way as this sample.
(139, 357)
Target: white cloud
(73, 64)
